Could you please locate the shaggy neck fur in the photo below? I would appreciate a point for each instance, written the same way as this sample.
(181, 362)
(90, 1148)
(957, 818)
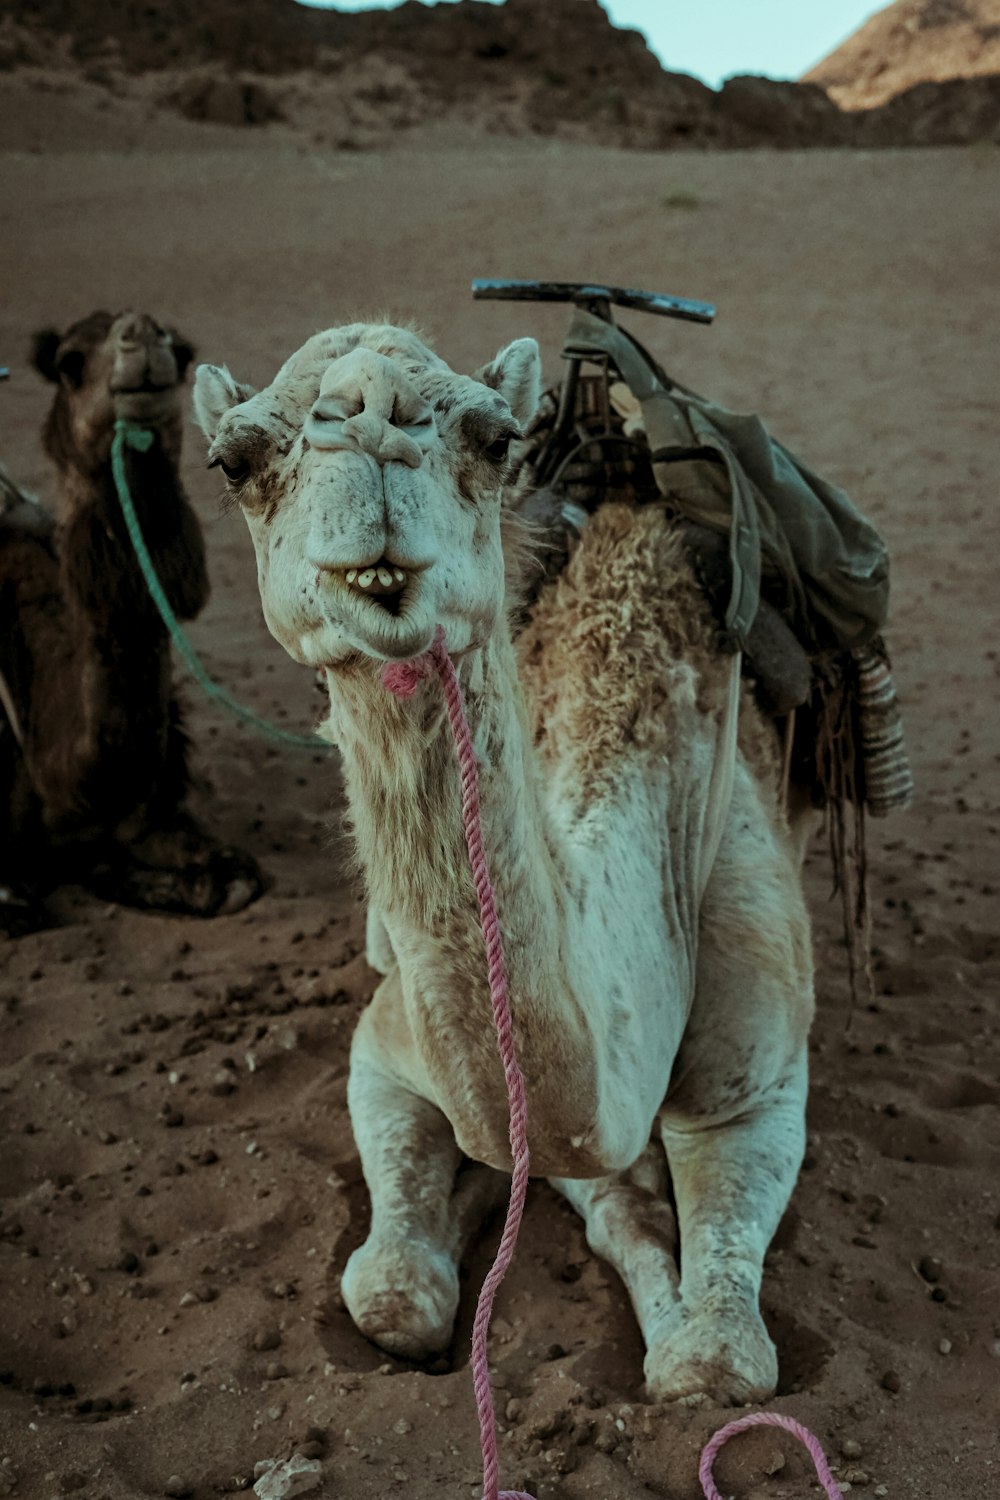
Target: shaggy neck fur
(405, 794)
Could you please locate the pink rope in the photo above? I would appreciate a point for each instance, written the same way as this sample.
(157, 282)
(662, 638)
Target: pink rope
(765, 1419)
(402, 679)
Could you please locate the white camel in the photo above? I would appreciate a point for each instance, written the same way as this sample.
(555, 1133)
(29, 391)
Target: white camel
(661, 997)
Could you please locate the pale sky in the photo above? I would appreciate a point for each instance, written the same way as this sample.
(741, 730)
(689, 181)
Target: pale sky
(714, 38)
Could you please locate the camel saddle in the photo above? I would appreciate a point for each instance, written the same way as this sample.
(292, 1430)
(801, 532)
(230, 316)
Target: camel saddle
(797, 577)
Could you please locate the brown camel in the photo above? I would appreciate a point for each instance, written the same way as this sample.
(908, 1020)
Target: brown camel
(93, 759)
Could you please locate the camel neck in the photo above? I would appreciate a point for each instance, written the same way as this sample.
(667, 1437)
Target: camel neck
(405, 792)
(405, 795)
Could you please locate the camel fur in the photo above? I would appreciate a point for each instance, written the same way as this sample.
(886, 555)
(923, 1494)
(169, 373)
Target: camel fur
(660, 1007)
(93, 759)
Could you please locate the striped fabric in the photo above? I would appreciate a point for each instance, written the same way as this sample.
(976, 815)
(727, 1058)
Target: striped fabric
(888, 780)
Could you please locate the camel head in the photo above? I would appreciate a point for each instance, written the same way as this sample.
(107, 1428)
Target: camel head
(370, 475)
(106, 367)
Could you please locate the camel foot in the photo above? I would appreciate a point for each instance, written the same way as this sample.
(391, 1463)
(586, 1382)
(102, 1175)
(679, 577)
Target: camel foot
(724, 1354)
(224, 882)
(403, 1298)
(19, 914)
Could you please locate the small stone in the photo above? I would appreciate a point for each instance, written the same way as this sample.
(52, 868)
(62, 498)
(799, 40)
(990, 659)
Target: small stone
(188, 1300)
(275, 1370)
(266, 1338)
(851, 1448)
(275, 1413)
(402, 1427)
(514, 1410)
(283, 1289)
(890, 1381)
(857, 1476)
(944, 1346)
(930, 1268)
(291, 1477)
(177, 1488)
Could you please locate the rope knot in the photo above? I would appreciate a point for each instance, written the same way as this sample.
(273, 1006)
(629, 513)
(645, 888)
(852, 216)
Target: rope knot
(402, 678)
(139, 438)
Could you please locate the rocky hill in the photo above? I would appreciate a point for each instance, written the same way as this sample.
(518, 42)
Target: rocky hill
(912, 43)
(354, 78)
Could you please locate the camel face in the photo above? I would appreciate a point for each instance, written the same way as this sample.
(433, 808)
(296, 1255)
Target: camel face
(370, 476)
(127, 366)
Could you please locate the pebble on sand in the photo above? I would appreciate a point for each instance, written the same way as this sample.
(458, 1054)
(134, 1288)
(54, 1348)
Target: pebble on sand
(288, 1478)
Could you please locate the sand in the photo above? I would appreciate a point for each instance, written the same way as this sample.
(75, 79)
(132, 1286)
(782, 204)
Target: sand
(179, 1188)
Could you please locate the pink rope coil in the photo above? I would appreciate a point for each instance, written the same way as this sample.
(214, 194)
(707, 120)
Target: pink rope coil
(765, 1419)
(402, 679)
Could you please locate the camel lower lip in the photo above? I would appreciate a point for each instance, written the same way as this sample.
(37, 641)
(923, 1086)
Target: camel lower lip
(385, 627)
(145, 403)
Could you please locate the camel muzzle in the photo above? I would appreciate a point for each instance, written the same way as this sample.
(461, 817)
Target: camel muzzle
(143, 358)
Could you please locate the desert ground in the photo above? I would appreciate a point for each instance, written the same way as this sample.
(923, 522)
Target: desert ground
(179, 1188)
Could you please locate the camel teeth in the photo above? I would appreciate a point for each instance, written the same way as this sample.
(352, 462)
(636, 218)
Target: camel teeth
(384, 577)
(351, 574)
(399, 575)
(366, 579)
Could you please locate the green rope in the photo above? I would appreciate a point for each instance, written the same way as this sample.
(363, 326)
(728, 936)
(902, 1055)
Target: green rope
(141, 439)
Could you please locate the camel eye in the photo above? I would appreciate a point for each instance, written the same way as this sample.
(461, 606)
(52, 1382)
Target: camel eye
(236, 472)
(71, 367)
(498, 450)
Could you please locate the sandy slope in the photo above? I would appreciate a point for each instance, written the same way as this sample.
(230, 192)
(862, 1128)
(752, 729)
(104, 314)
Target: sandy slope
(855, 291)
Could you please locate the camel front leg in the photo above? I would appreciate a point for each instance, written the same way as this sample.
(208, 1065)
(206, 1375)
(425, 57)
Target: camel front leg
(401, 1286)
(732, 1182)
(632, 1226)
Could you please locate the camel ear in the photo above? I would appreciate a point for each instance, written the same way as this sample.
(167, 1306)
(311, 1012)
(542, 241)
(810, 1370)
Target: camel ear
(215, 393)
(516, 374)
(44, 348)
